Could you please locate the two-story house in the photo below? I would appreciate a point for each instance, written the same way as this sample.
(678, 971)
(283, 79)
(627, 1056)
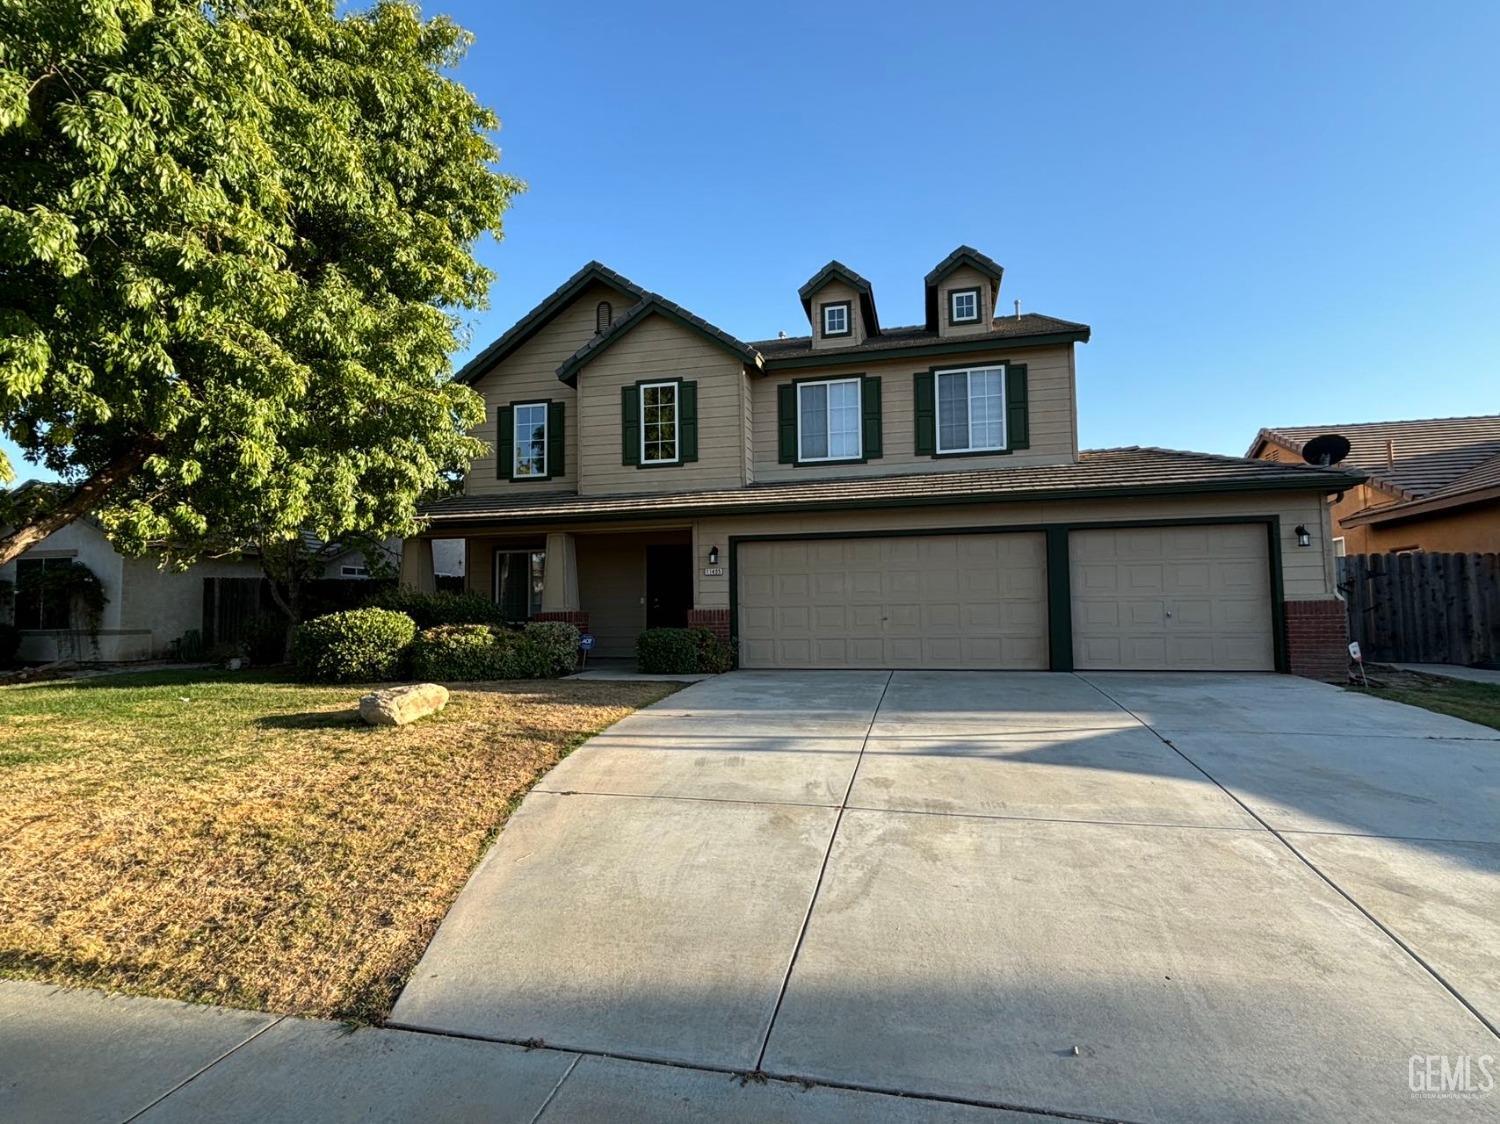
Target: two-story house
(870, 497)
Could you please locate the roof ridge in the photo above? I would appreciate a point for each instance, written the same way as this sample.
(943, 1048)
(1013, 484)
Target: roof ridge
(1331, 426)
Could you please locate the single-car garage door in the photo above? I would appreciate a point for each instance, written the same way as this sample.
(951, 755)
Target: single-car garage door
(964, 601)
(1172, 599)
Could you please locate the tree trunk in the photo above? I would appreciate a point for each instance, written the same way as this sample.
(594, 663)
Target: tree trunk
(289, 602)
(84, 498)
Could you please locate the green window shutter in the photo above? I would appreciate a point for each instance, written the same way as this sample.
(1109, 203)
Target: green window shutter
(505, 442)
(924, 416)
(1017, 428)
(687, 421)
(786, 423)
(630, 425)
(869, 399)
(557, 439)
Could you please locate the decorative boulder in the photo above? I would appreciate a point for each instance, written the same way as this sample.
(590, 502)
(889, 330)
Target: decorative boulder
(396, 706)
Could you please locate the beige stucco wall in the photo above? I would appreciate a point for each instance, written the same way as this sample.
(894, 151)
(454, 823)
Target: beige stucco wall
(530, 374)
(966, 277)
(661, 348)
(1049, 382)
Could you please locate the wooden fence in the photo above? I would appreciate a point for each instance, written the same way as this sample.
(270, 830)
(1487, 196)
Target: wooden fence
(1424, 608)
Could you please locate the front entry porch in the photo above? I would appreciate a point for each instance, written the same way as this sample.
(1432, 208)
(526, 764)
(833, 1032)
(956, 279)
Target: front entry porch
(613, 584)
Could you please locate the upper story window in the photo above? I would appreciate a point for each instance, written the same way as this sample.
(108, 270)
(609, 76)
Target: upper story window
(37, 604)
(659, 422)
(836, 319)
(530, 455)
(963, 306)
(828, 420)
(971, 410)
(604, 316)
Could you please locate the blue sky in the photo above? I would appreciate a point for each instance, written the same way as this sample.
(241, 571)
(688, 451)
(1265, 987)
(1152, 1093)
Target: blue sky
(1268, 214)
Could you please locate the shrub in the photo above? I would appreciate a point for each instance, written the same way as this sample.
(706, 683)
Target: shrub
(459, 652)
(359, 645)
(429, 610)
(682, 651)
(10, 644)
(266, 643)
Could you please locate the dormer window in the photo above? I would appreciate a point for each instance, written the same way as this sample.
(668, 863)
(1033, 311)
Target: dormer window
(963, 306)
(836, 319)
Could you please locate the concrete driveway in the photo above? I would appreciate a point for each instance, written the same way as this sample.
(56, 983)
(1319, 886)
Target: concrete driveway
(1124, 896)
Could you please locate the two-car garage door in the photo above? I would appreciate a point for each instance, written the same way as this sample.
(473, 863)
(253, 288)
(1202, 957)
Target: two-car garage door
(1184, 598)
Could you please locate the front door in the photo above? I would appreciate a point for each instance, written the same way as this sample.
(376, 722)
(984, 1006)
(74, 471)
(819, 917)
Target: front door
(669, 585)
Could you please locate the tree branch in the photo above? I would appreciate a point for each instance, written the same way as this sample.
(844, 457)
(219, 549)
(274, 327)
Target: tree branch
(33, 529)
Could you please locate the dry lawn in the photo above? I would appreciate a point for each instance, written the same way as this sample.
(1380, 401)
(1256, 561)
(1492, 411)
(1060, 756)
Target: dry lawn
(1473, 702)
(247, 841)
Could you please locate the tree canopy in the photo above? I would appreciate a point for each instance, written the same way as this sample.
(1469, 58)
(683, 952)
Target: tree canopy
(235, 240)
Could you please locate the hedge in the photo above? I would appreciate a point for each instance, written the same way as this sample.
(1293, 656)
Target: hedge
(429, 610)
(458, 652)
(360, 645)
(682, 651)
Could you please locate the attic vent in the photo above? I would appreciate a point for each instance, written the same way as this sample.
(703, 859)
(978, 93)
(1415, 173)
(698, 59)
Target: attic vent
(604, 316)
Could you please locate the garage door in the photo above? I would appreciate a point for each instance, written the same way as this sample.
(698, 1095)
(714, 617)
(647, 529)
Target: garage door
(1172, 599)
(977, 601)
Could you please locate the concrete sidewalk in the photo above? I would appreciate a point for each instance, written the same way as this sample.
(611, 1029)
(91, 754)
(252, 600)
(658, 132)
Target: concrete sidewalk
(83, 1057)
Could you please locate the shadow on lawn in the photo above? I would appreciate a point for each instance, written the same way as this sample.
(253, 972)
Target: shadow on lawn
(313, 720)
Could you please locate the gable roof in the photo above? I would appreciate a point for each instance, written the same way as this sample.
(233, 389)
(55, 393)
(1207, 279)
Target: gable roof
(838, 271)
(542, 315)
(963, 256)
(1133, 471)
(654, 304)
(1413, 459)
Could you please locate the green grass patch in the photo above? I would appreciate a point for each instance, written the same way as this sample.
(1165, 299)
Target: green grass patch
(1473, 702)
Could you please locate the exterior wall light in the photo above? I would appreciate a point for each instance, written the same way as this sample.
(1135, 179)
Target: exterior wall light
(1303, 538)
(713, 556)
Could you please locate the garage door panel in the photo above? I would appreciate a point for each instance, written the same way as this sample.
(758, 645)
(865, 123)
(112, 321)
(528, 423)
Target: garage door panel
(1172, 598)
(910, 601)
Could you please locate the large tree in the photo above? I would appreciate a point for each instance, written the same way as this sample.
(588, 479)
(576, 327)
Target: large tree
(234, 240)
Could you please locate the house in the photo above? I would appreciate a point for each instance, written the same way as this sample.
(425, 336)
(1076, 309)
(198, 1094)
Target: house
(145, 610)
(867, 496)
(1431, 485)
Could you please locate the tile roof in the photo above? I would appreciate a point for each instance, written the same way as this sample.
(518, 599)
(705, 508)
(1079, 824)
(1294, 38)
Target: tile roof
(1003, 329)
(1127, 472)
(1415, 459)
(964, 255)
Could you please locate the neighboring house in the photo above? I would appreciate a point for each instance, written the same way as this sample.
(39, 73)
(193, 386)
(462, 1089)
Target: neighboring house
(870, 497)
(1431, 485)
(147, 608)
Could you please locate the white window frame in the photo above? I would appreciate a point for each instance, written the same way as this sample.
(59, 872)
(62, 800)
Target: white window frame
(676, 386)
(354, 571)
(1339, 547)
(515, 440)
(953, 316)
(937, 409)
(859, 395)
(845, 310)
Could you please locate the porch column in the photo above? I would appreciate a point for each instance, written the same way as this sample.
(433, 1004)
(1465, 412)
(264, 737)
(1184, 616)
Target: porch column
(416, 565)
(560, 576)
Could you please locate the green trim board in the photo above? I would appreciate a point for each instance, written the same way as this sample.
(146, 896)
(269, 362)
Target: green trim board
(1058, 567)
(966, 344)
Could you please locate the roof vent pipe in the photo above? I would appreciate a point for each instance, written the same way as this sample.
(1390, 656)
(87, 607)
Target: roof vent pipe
(1390, 452)
(1018, 308)
(781, 335)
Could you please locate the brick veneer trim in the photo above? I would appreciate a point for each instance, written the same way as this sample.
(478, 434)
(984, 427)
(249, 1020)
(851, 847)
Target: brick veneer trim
(715, 620)
(1317, 639)
(579, 620)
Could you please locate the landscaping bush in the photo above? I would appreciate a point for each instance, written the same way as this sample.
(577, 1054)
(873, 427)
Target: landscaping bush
(429, 610)
(360, 645)
(682, 651)
(10, 644)
(266, 643)
(459, 652)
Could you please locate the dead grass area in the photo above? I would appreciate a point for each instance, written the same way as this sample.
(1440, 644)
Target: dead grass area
(1473, 702)
(248, 841)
